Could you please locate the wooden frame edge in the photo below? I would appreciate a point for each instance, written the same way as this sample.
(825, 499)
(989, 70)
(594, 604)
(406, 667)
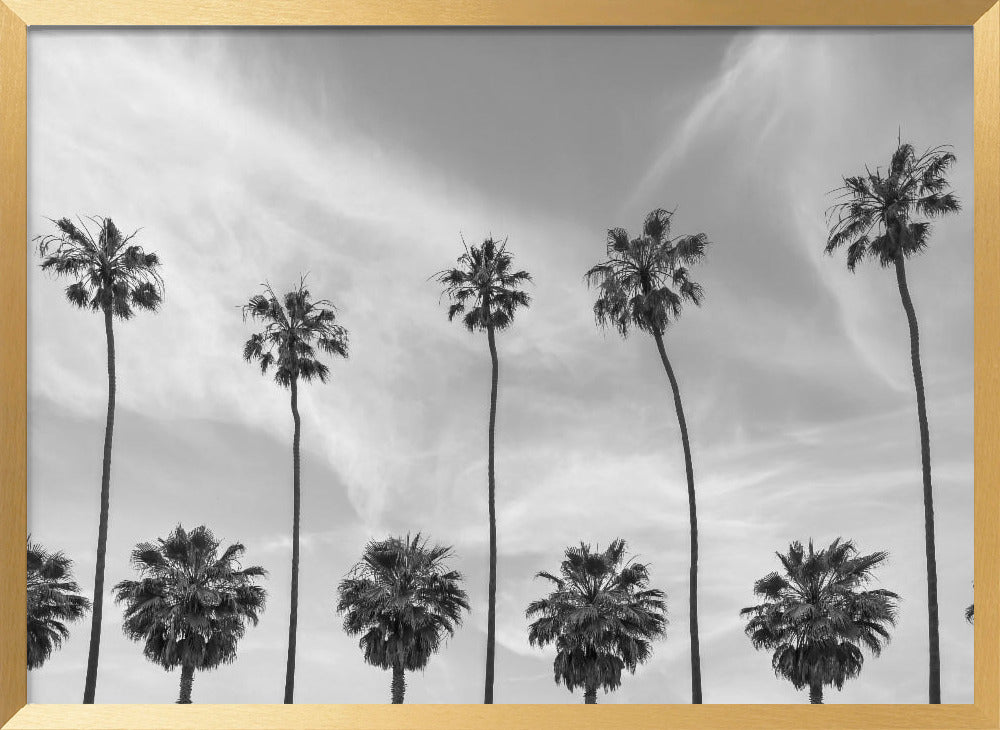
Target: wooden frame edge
(498, 12)
(17, 15)
(489, 717)
(986, 49)
(13, 341)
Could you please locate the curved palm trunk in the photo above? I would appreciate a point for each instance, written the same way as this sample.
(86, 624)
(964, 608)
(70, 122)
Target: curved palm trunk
(590, 695)
(293, 615)
(491, 615)
(934, 680)
(90, 685)
(187, 682)
(816, 694)
(398, 683)
(693, 517)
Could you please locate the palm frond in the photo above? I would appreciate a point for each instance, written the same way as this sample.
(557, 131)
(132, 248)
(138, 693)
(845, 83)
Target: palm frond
(294, 325)
(601, 616)
(53, 600)
(874, 214)
(483, 287)
(818, 613)
(109, 272)
(644, 282)
(402, 600)
(190, 604)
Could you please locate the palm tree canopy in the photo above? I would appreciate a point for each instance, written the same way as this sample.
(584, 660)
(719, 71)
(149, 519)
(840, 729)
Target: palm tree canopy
(875, 216)
(645, 280)
(191, 603)
(483, 287)
(294, 326)
(108, 271)
(402, 599)
(601, 616)
(53, 601)
(818, 614)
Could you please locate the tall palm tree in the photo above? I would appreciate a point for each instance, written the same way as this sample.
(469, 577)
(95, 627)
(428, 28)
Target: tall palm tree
(112, 274)
(818, 615)
(487, 292)
(601, 616)
(54, 600)
(191, 603)
(402, 599)
(643, 284)
(882, 215)
(294, 327)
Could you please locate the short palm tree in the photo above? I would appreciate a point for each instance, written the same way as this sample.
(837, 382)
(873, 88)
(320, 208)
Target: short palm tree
(486, 291)
(294, 327)
(402, 599)
(819, 614)
(883, 216)
(601, 616)
(111, 274)
(54, 600)
(970, 613)
(191, 603)
(643, 284)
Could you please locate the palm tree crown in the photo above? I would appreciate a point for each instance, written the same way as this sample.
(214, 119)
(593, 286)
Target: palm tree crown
(53, 601)
(645, 280)
(191, 603)
(402, 599)
(293, 327)
(874, 216)
(601, 616)
(819, 614)
(483, 288)
(110, 271)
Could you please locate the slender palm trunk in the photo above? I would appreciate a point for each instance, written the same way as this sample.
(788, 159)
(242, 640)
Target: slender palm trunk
(90, 686)
(398, 683)
(693, 516)
(934, 680)
(590, 695)
(187, 682)
(491, 614)
(293, 615)
(816, 694)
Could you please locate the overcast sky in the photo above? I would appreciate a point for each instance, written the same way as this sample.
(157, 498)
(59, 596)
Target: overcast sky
(360, 157)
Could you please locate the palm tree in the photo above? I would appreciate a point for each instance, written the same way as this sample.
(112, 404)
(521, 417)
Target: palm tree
(113, 275)
(486, 291)
(191, 603)
(819, 614)
(294, 326)
(402, 599)
(54, 600)
(970, 613)
(601, 616)
(643, 284)
(883, 215)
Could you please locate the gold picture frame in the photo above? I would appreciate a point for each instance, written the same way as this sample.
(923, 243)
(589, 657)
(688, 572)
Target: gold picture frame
(16, 16)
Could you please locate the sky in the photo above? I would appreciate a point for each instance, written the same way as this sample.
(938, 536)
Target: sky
(361, 158)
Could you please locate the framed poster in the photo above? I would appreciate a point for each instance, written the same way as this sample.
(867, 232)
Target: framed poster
(512, 365)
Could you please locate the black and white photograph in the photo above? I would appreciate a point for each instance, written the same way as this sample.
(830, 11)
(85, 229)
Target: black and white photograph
(500, 365)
